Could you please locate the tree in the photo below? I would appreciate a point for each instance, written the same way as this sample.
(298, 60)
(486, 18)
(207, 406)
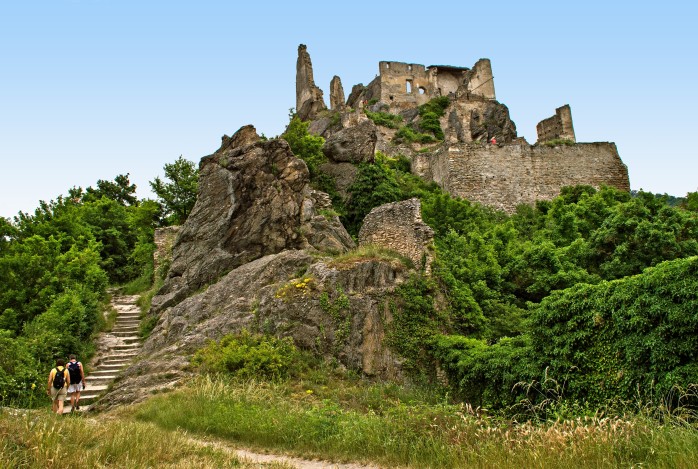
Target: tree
(178, 196)
(121, 190)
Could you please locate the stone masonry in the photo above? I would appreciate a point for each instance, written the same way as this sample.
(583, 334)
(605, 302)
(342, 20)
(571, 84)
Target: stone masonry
(558, 126)
(508, 175)
(399, 227)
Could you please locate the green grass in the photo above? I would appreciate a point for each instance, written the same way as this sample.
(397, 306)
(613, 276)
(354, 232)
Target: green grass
(557, 142)
(396, 426)
(42, 440)
(369, 252)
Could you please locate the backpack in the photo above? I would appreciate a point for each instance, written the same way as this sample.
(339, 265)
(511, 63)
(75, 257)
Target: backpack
(74, 370)
(59, 378)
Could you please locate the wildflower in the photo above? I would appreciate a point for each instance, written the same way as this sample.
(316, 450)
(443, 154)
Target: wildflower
(33, 385)
(309, 391)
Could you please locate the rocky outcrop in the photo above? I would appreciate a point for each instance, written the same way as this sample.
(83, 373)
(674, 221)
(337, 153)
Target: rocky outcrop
(309, 100)
(336, 94)
(335, 309)
(398, 226)
(254, 199)
(492, 121)
(355, 144)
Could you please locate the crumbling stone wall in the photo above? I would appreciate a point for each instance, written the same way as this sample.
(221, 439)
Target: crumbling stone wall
(407, 85)
(558, 126)
(399, 227)
(506, 176)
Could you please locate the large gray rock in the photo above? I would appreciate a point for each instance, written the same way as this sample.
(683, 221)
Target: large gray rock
(254, 199)
(309, 100)
(493, 121)
(355, 144)
(263, 296)
(336, 94)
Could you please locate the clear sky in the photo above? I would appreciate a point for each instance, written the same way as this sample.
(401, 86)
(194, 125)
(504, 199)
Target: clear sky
(94, 88)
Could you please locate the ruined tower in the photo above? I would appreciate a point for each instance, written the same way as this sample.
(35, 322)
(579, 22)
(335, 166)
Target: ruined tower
(558, 126)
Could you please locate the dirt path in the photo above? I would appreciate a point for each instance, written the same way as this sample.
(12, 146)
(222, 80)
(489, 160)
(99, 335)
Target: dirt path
(268, 458)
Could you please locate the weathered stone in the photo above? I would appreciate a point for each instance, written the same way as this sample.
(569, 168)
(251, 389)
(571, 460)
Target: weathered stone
(262, 296)
(558, 126)
(343, 174)
(354, 144)
(504, 176)
(309, 100)
(492, 121)
(355, 96)
(254, 199)
(336, 94)
(398, 226)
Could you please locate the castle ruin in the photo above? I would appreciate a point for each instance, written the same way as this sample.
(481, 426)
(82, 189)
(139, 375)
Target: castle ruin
(481, 157)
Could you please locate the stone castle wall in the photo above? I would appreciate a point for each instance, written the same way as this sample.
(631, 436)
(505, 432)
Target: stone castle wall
(505, 176)
(558, 126)
(398, 226)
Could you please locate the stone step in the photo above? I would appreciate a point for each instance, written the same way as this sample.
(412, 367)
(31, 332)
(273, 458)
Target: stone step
(100, 379)
(100, 374)
(129, 314)
(120, 356)
(130, 332)
(116, 361)
(68, 409)
(126, 347)
(125, 325)
(114, 368)
(92, 389)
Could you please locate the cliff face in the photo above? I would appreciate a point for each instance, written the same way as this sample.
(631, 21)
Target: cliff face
(253, 255)
(254, 200)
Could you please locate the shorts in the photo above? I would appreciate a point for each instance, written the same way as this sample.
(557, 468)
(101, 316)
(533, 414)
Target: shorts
(76, 387)
(58, 394)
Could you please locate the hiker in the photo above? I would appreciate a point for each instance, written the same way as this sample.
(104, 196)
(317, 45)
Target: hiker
(493, 141)
(77, 382)
(56, 388)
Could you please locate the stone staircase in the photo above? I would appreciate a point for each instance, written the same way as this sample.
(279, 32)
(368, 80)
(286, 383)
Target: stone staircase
(123, 344)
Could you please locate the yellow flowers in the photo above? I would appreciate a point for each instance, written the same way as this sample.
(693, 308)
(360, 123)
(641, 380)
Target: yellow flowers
(309, 391)
(33, 385)
(302, 286)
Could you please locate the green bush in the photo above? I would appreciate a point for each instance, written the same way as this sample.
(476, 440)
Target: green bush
(247, 355)
(392, 121)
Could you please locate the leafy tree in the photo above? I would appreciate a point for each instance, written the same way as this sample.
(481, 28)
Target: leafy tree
(121, 191)
(304, 145)
(178, 196)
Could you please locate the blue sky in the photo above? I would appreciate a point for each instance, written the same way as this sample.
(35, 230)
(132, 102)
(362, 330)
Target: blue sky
(94, 88)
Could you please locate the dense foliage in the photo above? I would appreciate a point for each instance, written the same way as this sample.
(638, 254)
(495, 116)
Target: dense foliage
(55, 266)
(527, 299)
(248, 355)
(178, 196)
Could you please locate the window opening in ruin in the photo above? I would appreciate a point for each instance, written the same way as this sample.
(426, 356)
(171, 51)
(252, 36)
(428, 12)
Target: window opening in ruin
(408, 85)
(387, 65)
(409, 67)
(422, 90)
(391, 98)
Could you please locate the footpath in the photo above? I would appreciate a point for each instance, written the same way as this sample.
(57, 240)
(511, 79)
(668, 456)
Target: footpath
(122, 345)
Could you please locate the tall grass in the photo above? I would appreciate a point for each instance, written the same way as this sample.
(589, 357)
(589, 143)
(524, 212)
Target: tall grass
(42, 440)
(315, 422)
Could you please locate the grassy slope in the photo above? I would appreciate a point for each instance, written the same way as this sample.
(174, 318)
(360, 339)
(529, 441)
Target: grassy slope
(393, 426)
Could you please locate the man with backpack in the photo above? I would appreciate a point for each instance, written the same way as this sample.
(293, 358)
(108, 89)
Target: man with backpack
(77, 382)
(58, 382)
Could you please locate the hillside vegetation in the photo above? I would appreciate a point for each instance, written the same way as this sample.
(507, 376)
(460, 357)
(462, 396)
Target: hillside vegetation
(576, 316)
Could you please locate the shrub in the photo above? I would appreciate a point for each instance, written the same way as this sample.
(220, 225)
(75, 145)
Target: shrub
(248, 355)
(385, 119)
